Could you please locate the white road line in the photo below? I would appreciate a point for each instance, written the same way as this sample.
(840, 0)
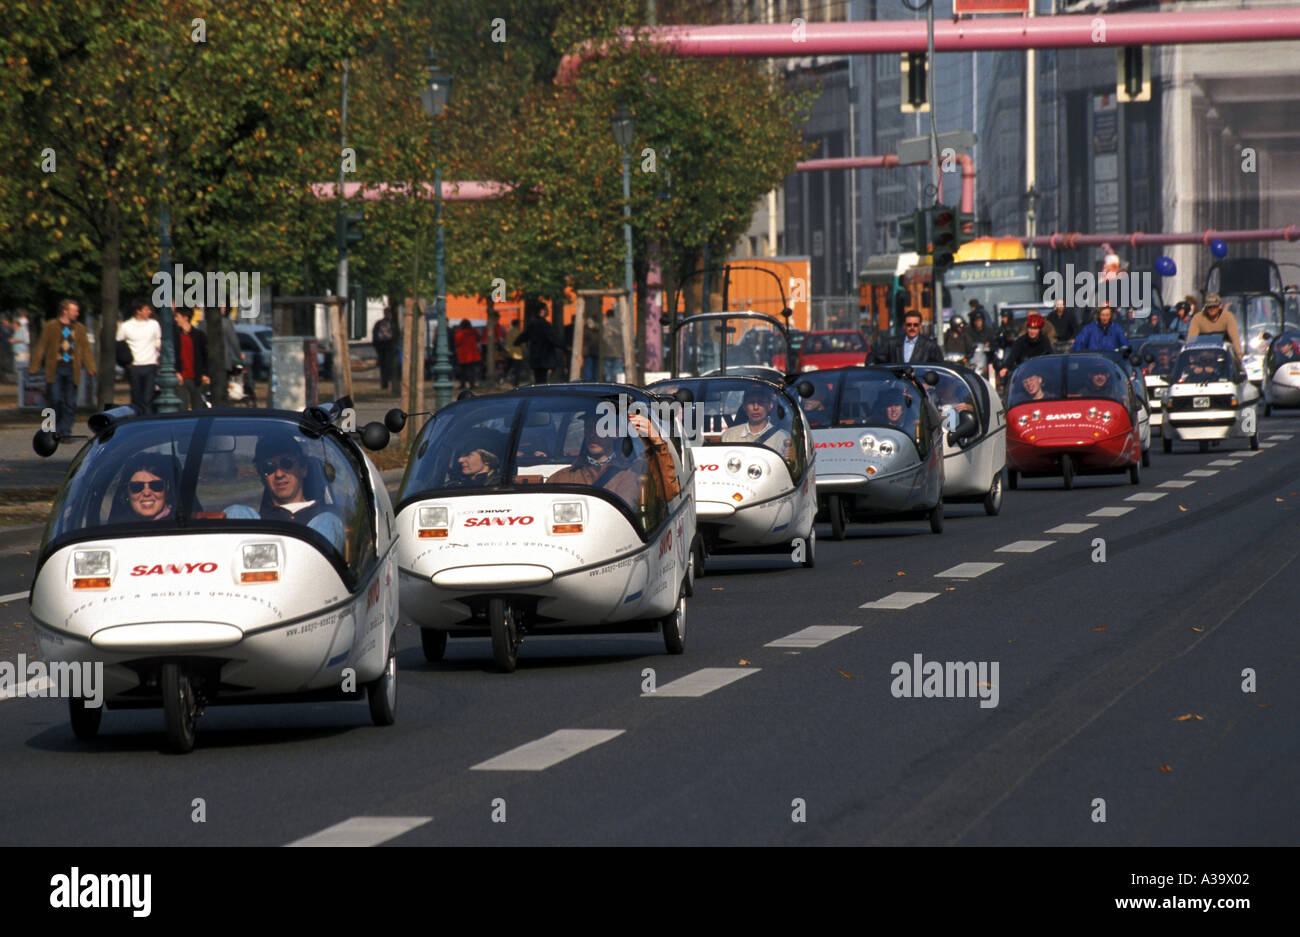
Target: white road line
(901, 600)
(1025, 546)
(705, 680)
(12, 596)
(1109, 512)
(1147, 496)
(1177, 483)
(814, 636)
(1245, 453)
(1226, 463)
(1070, 528)
(37, 686)
(362, 831)
(548, 750)
(966, 570)
(1267, 445)
(1201, 473)
(1280, 436)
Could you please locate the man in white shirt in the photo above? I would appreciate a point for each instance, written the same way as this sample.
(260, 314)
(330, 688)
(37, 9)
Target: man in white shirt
(143, 335)
(757, 404)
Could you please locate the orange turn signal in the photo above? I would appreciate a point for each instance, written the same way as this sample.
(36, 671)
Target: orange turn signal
(259, 575)
(567, 529)
(91, 582)
(426, 532)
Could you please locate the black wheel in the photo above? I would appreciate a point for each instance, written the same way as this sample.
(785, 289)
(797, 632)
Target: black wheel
(434, 643)
(85, 719)
(697, 557)
(382, 691)
(936, 518)
(180, 709)
(690, 572)
(1146, 458)
(810, 550)
(839, 513)
(1166, 444)
(1268, 408)
(1013, 479)
(1067, 471)
(505, 634)
(673, 625)
(1203, 446)
(1134, 474)
(993, 500)
(1254, 442)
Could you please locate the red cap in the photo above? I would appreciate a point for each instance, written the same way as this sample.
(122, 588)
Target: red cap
(1035, 321)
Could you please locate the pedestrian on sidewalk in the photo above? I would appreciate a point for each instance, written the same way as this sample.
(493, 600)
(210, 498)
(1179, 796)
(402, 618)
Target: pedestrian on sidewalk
(232, 355)
(191, 360)
(544, 349)
(64, 351)
(21, 342)
(516, 370)
(385, 337)
(468, 355)
(143, 335)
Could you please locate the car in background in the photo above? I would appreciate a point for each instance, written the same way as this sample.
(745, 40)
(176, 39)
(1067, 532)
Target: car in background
(1282, 371)
(1210, 396)
(832, 349)
(1158, 355)
(255, 342)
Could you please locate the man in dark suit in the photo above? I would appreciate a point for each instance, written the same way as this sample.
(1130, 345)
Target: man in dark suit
(912, 348)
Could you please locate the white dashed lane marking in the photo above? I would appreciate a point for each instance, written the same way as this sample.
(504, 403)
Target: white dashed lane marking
(1177, 483)
(12, 597)
(1025, 546)
(1147, 496)
(967, 570)
(1070, 528)
(1267, 445)
(362, 831)
(814, 636)
(1201, 473)
(1280, 436)
(1246, 453)
(1109, 512)
(703, 681)
(548, 750)
(900, 600)
(1225, 463)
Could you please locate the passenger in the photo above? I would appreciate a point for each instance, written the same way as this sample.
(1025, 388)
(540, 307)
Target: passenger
(147, 493)
(1100, 383)
(1032, 385)
(757, 407)
(479, 468)
(895, 405)
(1205, 367)
(602, 465)
(951, 397)
(283, 468)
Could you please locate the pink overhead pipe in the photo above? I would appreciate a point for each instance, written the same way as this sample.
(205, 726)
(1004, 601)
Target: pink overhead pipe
(1137, 238)
(451, 191)
(782, 40)
(889, 161)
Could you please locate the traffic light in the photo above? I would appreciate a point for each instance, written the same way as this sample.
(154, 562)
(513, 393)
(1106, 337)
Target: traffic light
(1133, 82)
(357, 310)
(965, 227)
(911, 232)
(913, 83)
(944, 236)
(348, 224)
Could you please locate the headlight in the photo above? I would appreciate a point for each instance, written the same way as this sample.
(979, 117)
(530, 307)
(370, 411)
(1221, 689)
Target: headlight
(868, 443)
(566, 517)
(260, 561)
(1036, 415)
(733, 464)
(808, 367)
(1092, 413)
(92, 569)
(885, 448)
(433, 522)
(1105, 417)
(1024, 420)
(755, 470)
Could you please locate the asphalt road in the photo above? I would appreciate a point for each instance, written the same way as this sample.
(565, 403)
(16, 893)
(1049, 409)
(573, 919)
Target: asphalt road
(1119, 682)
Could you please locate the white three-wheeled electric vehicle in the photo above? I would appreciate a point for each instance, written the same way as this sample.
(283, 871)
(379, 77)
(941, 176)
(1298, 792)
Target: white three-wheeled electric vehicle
(975, 435)
(221, 556)
(555, 509)
(1210, 397)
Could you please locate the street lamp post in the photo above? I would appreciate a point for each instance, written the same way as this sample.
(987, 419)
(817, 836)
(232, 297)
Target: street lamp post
(624, 125)
(167, 401)
(434, 99)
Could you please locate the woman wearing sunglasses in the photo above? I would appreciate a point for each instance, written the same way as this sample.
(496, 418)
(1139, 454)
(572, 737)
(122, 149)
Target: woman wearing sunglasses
(147, 492)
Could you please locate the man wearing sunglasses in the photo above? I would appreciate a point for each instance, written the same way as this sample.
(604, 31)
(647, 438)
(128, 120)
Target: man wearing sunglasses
(283, 469)
(911, 348)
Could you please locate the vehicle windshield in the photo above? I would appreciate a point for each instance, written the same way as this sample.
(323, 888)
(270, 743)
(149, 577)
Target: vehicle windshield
(710, 343)
(729, 411)
(1256, 314)
(1164, 353)
(1286, 347)
(1199, 365)
(219, 472)
(819, 343)
(1053, 377)
(564, 441)
(952, 395)
(879, 399)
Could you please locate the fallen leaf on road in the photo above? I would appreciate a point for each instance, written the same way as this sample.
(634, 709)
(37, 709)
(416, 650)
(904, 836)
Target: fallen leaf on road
(742, 662)
(1278, 500)
(719, 589)
(857, 562)
(1166, 768)
(1011, 640)
(901, 573)
(1186, 716)
(1265, 705)
(951, 589)
(1181, 508)
(1198, 629)
(1100, 628)
(843, 674)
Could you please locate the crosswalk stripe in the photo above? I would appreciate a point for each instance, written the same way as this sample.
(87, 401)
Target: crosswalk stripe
(814, 636)
(362, 831)
(900, 600)
(549, 750)
(704, 681)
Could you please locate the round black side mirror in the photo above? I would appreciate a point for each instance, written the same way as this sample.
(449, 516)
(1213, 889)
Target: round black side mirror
(1136, 361)
(1267, 337)
(45, 443)
(787, 312)
(395, 420)
(375, 436)
(805, 388)
(465, 394)
(931, 378)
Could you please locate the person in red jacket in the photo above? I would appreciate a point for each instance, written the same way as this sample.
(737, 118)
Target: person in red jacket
(468, 354)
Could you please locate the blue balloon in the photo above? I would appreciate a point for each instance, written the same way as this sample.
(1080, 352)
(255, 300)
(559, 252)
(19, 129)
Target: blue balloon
(1165, 266)
(1219, 247)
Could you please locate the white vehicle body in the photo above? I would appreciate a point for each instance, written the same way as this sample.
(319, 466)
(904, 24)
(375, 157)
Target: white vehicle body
(1220, 404)
(973, 462)
(1282, 386)
(1156, 385)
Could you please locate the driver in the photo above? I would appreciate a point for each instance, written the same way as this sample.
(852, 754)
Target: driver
(895, 406)
(283, 468)
(478, 468)
(757, 406)
(1204, 368)
(146, 493)
(1032, 385)
(1098, 384)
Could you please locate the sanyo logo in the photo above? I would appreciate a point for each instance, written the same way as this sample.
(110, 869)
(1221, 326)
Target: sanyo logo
(1065, 416)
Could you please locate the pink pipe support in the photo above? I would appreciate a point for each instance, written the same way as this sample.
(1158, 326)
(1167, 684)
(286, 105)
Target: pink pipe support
(451, 191)
(889, 161)
(1137, 238)
(765, 40)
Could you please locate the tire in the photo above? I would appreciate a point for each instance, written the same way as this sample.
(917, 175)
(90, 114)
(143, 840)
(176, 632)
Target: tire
(1146, 458)
(673, 625)
(1254, 442)
(838, 513)
(1166, 444)
(1203, 446)
(1268, 409)
(936, 518)
(810, 550)
(505, 634)
(382, 691)
(1135, 474)
(179, 708)
(1013, 479)
(993, 500)
(690, 572)
(434, 643)
(85, 719)
(1067, 470)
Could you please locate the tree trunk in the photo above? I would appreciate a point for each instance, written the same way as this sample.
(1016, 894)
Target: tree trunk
(641, 283)
(490, 340)
(109, 283)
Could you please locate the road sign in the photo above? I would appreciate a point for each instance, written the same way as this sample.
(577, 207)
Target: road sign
(917, 149)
